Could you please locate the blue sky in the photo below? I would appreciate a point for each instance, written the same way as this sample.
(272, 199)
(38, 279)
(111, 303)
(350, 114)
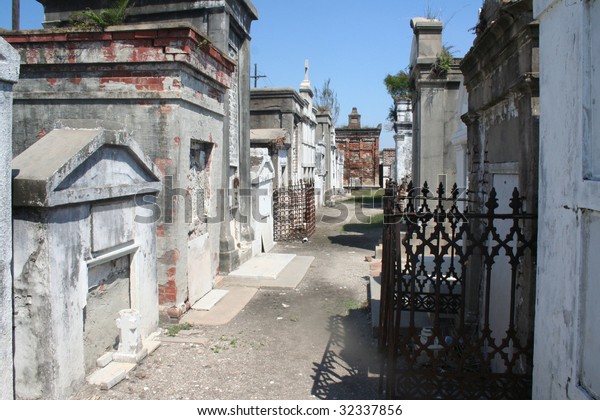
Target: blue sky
(354, 43)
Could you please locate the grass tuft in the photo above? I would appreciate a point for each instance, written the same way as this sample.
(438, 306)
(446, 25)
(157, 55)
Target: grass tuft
(173, 330)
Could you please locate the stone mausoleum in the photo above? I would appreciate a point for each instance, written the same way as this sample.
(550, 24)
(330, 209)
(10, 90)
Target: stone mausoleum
(175, 75)
(84, 249)
(360, 146)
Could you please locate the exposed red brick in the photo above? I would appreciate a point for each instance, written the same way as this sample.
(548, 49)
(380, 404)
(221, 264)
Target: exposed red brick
(181, 57)
(171, 274)
(166, 297)
(177, 140)
(149, 83)
(145, 34)
(141, 54)
(163, 164)
(141, 83)
(173, 33)
(167, 42)
(15, 39)
(161, 231)
(32, 56)
(48, 38)
(172, 50)
(123, 35)
(89, 36)
(52, 81)
(170, 257)
(197, 39)
(174, 312)
(109, 53)
(167, 293)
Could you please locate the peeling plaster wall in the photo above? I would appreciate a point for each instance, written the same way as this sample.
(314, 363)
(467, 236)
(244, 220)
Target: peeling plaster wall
(32, 299)
(49, 300)
(566, 325)
(9, 73)
(51, 250)
(50, 295)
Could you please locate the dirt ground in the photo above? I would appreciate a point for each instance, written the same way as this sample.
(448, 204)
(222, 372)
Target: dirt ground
(313, 342)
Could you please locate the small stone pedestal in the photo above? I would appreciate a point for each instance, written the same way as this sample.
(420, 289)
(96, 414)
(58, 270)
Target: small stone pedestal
(130, 348)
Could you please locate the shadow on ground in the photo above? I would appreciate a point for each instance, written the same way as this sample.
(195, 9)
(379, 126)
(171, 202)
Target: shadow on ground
(359, 235)
(350, 364)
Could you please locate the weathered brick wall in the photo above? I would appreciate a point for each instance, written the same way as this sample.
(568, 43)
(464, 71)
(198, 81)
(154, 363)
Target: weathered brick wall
(361, 164)
(389, 157)
(165, 84)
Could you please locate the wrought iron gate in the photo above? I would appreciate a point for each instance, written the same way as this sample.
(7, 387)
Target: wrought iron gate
(294, 212)
(457, 297)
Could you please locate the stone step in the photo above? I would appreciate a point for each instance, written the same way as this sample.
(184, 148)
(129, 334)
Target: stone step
(262, 267)
(225, 311)
(209, 300)
(287, 277)
(110, 375)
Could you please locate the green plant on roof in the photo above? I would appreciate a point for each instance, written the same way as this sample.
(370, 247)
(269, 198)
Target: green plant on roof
(103, 18)
(443, 62)
(398, 85)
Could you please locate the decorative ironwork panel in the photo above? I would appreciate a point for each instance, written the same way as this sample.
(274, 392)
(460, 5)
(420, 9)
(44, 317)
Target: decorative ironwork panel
(456, 317)
(294, 212)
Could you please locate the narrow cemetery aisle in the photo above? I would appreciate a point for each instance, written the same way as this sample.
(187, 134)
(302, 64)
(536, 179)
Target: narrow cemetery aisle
(312, 342)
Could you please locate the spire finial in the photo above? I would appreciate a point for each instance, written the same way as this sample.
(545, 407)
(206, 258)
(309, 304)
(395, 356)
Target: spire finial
(306, 69)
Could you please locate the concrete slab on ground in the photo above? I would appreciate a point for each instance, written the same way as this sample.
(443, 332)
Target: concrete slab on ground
(224, 311)
(210, 299)
(289, 277)
(110, 375)
(263, 267)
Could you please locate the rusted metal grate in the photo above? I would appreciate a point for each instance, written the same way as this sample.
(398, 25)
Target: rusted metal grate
(457, 293)
(294, 212)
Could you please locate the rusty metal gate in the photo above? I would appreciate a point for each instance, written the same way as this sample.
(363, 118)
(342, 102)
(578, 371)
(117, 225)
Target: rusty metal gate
(457, 297)
(294, 212)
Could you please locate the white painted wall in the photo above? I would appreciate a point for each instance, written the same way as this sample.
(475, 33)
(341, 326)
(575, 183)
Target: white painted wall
(404, 140)
(9, 73)
(56, 246)
(567, 336)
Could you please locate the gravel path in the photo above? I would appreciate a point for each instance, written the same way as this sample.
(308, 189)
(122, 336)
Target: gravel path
(313, 342)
